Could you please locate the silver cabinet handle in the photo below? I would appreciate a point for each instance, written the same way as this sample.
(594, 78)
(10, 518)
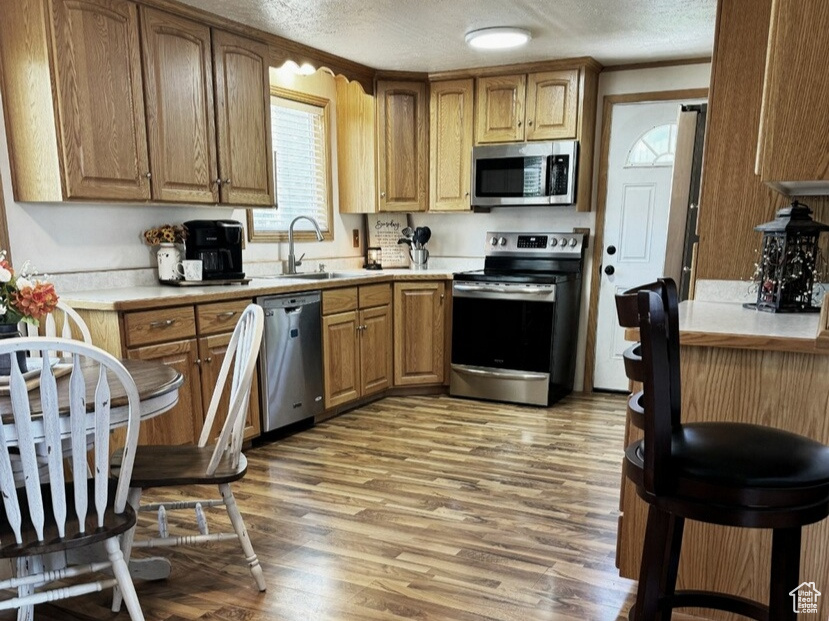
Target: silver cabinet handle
(382, 195)
(165, 323)
(225, 315)
(148, 175)
(227, 181)
(218, 182)
(209, 359)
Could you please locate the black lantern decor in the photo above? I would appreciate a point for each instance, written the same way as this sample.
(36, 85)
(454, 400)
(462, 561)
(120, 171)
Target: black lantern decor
(789, 261)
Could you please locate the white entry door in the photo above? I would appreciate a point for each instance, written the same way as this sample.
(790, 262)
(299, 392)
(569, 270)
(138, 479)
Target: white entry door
(640, 166)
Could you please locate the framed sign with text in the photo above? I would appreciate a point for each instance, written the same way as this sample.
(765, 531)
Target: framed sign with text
(384, 229)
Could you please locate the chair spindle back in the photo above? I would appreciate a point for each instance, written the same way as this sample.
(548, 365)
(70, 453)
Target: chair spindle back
(83, 422)
(242, 352)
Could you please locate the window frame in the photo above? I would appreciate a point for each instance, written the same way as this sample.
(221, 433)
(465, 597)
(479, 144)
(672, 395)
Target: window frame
(654, 163)
(282, 236)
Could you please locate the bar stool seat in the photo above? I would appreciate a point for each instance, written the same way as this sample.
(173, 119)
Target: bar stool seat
(732, 474)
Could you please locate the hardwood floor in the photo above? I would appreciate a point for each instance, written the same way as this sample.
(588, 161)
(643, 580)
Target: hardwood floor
(413, 508)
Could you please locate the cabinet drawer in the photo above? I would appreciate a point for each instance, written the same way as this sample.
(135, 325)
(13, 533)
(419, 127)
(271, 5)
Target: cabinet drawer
(219, 317)
(157, 326)
(339, 300)
(375, 295)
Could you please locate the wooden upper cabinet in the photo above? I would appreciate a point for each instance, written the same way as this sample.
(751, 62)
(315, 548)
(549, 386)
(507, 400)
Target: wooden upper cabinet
(100, 99)
(178, 81)
(793, 152)
(552, 105)
(243, 120)
(355, 148)
(450, 161)
(402, 151)
(500, 109)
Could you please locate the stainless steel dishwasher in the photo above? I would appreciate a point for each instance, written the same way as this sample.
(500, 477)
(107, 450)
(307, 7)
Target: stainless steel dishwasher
(291, 357)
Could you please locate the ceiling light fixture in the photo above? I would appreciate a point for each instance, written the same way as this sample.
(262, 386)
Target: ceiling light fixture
(499, 38)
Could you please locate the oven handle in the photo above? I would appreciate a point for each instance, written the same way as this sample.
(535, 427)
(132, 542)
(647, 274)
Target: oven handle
(507, 290)
(485, 372)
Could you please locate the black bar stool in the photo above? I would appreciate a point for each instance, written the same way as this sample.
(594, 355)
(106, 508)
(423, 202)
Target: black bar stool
(733, 474)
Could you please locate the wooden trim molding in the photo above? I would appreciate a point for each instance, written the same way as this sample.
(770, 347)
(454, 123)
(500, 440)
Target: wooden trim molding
(656, 64)
(601, 204)
(544, 65)
(4, 226)
(281, 236)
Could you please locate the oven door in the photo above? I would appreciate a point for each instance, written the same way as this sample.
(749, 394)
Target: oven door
(511, 174)
(502, 340)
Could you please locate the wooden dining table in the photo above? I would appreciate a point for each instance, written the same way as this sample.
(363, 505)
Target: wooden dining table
(157, 385)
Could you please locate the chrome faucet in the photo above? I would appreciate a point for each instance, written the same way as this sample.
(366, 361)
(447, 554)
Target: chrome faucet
(293, 262)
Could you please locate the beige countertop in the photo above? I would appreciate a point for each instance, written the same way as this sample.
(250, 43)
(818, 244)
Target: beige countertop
(157, 296)
(727, 324)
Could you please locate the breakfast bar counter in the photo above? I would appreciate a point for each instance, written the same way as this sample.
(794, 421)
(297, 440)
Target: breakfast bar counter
(741, 365)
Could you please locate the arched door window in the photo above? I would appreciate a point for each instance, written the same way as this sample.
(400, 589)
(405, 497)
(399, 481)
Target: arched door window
(656, 147)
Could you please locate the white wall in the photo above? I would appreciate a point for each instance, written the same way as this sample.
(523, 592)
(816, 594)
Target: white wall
(463, 235)
(77, 237)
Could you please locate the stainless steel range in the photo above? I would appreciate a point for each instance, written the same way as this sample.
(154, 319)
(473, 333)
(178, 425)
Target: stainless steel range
(515, 323)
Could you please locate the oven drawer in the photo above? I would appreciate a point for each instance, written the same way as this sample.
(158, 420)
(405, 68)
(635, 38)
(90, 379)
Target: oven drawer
(499, 384)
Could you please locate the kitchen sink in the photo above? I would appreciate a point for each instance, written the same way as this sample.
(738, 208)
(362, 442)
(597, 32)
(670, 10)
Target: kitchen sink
(317, 276)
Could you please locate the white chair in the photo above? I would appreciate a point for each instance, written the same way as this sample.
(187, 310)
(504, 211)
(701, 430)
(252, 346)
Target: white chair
(40, 520)
(219, 464)
(72, 324)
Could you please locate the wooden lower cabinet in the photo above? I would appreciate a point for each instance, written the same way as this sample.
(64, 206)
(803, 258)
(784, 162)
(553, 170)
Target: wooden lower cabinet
(375, 349)
(182, 424)
(212, 351)
(356, 342)
(419, 331)
(341, 358)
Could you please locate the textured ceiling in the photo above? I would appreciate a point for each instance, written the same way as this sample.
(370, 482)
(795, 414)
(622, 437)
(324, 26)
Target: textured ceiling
(428, 35)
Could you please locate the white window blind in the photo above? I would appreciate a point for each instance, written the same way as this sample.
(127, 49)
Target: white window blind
(301, 163)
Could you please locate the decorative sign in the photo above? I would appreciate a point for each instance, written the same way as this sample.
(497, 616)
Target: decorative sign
(384, 229)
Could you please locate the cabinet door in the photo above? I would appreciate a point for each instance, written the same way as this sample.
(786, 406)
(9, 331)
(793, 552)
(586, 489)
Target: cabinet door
(178, 81)
(355, 148)
(182, 424)
(499, 109)
(793, 148)
(402, 150)
(340, 358)
(212, 351)
(100, 99)
(418, 333)
(375, 350)
(552, 105)
(243, 119)
(450, 161)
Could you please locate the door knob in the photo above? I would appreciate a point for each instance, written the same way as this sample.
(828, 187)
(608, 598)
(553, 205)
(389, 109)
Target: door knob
(611, 250)
(610, 270)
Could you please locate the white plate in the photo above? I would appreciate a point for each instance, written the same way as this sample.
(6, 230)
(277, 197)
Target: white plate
(34, 365)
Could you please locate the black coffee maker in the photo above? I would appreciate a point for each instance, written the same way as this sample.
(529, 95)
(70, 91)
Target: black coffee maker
(218, 244)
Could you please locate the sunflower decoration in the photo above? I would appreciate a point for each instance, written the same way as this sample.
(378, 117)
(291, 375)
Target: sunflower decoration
(166, 234)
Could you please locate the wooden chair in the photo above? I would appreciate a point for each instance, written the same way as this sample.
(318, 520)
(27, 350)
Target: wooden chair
(39, 520)
(219, 464)
(732, 474)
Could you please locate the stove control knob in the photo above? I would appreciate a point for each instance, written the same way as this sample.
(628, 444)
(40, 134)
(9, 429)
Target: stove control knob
(563, 241)
(573, 242)
(493, 241)
(554, 243)
(503, 241)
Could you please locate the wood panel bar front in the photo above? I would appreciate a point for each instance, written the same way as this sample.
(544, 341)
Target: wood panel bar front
(729, 382)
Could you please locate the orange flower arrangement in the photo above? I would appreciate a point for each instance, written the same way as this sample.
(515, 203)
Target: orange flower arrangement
(23, 296)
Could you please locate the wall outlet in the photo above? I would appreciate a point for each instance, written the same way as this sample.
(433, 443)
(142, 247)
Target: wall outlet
(355, 237)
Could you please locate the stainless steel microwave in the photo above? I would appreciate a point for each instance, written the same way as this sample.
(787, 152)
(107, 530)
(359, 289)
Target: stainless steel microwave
(528, 173)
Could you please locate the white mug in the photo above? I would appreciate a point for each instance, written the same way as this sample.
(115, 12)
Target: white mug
(191, 269)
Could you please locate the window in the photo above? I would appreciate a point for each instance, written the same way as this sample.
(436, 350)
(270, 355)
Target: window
(656, 147)
(302, 168)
